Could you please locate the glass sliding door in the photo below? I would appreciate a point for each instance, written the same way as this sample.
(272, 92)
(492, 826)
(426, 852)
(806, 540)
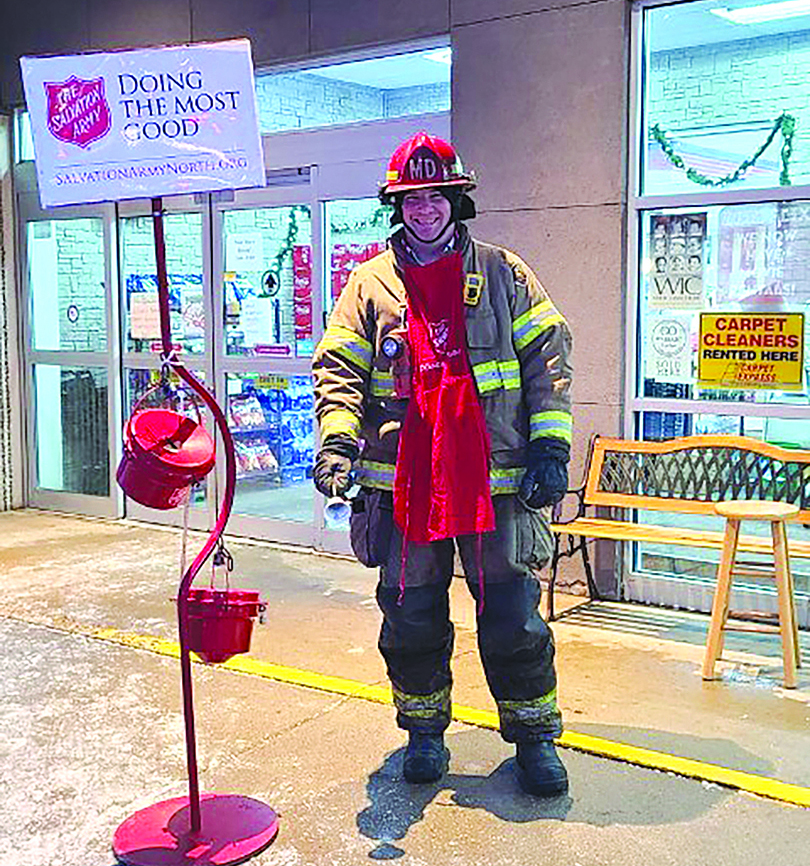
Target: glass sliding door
(286, 255)
(71, 357)
(265, 299)
(186, 227)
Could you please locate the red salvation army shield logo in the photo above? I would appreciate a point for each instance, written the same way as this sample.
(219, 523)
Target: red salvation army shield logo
(78, 111)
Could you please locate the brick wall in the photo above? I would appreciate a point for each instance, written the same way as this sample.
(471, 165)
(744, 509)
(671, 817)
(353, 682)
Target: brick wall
(81, 292)
(299, 100)
(417, 100)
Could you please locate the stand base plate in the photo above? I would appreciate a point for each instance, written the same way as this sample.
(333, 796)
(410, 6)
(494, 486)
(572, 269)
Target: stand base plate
(233, 829)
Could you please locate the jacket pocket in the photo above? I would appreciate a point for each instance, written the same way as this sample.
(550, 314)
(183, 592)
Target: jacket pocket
(371, 525)
(482, 330)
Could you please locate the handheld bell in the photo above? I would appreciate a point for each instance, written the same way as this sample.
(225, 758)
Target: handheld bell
(337, 512)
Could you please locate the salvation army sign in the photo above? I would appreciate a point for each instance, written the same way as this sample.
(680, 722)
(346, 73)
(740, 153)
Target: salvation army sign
(144, 123)
(78, 111)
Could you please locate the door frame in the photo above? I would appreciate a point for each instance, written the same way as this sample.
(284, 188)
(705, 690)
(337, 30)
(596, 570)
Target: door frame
(111, 505)
(290, 188)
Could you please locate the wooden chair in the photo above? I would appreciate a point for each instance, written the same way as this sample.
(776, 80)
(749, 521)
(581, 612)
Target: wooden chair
(776, 513)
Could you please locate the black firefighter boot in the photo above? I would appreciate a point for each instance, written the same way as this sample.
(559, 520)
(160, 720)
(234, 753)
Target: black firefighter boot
(426, 758)
(539, 769)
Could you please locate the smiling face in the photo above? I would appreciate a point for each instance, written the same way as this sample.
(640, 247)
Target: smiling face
(427, 214)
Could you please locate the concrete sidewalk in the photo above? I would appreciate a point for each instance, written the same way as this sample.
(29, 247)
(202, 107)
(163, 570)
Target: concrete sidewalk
(91, 730)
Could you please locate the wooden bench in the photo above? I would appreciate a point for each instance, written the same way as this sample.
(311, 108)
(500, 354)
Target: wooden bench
(686, 476)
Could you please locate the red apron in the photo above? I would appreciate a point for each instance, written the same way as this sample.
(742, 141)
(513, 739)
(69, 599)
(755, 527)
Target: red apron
(441, 485)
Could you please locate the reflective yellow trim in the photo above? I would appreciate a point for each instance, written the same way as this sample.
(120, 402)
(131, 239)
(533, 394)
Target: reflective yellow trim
(340, 422)
(343, 341)
(423, 706)
(486, 376)
(553, 425)
(370, 473)
(510, 374)
(382, 383)
(534, 322)
(530, 314)
(532, 703)
(505, 480)
(496, 375)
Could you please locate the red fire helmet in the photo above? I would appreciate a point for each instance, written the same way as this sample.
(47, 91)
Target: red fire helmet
(425, 161)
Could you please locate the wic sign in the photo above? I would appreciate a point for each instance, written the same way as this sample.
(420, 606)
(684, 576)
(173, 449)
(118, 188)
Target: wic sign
(144, 123)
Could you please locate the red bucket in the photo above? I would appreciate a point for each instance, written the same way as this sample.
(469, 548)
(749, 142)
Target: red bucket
(164, 454)
(220, 622)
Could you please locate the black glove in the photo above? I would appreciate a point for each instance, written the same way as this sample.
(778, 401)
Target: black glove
(546, 478)
(333, 466)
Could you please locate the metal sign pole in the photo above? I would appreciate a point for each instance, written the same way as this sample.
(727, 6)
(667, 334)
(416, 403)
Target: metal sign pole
(233, 828)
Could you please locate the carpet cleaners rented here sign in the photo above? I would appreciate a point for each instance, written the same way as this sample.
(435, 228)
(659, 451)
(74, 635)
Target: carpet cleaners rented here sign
(755, 350)
(144, 123)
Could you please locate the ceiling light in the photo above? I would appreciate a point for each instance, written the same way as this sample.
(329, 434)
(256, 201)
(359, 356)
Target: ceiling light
(764, 12)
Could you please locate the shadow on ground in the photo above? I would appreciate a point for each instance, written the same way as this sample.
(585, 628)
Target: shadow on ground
(603, 793)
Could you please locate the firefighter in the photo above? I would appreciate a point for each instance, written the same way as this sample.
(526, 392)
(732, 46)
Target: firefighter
(442, 389)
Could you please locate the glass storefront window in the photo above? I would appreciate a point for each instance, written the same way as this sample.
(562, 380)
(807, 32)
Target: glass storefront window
(723, 304)
(746, 266)
(415, 82)
(67, 285)
(271, 419)
(698, 566)
(184, 266)
(356, 230)
(718, 80)
(268, 281)
(72, 435)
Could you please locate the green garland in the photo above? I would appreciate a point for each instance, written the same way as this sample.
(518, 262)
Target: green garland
(289, 242)
(785, 122)
(379, 219)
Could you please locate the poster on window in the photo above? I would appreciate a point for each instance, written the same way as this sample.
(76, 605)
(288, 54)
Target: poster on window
(244, 252)
(346, 257)
(676, 255)
(669, 350)
(144, 123)
(747, 256)
(764, 256)
(758, 351)
(302, 291)
(144, 316)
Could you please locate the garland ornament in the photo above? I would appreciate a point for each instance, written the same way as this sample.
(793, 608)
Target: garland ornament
(285, 250)
(785, 123)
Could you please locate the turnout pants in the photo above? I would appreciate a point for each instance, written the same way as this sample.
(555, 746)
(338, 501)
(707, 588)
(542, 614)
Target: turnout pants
(515, 643)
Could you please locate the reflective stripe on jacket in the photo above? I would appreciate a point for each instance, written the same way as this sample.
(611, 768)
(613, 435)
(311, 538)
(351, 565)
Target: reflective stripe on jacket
(518, 345)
